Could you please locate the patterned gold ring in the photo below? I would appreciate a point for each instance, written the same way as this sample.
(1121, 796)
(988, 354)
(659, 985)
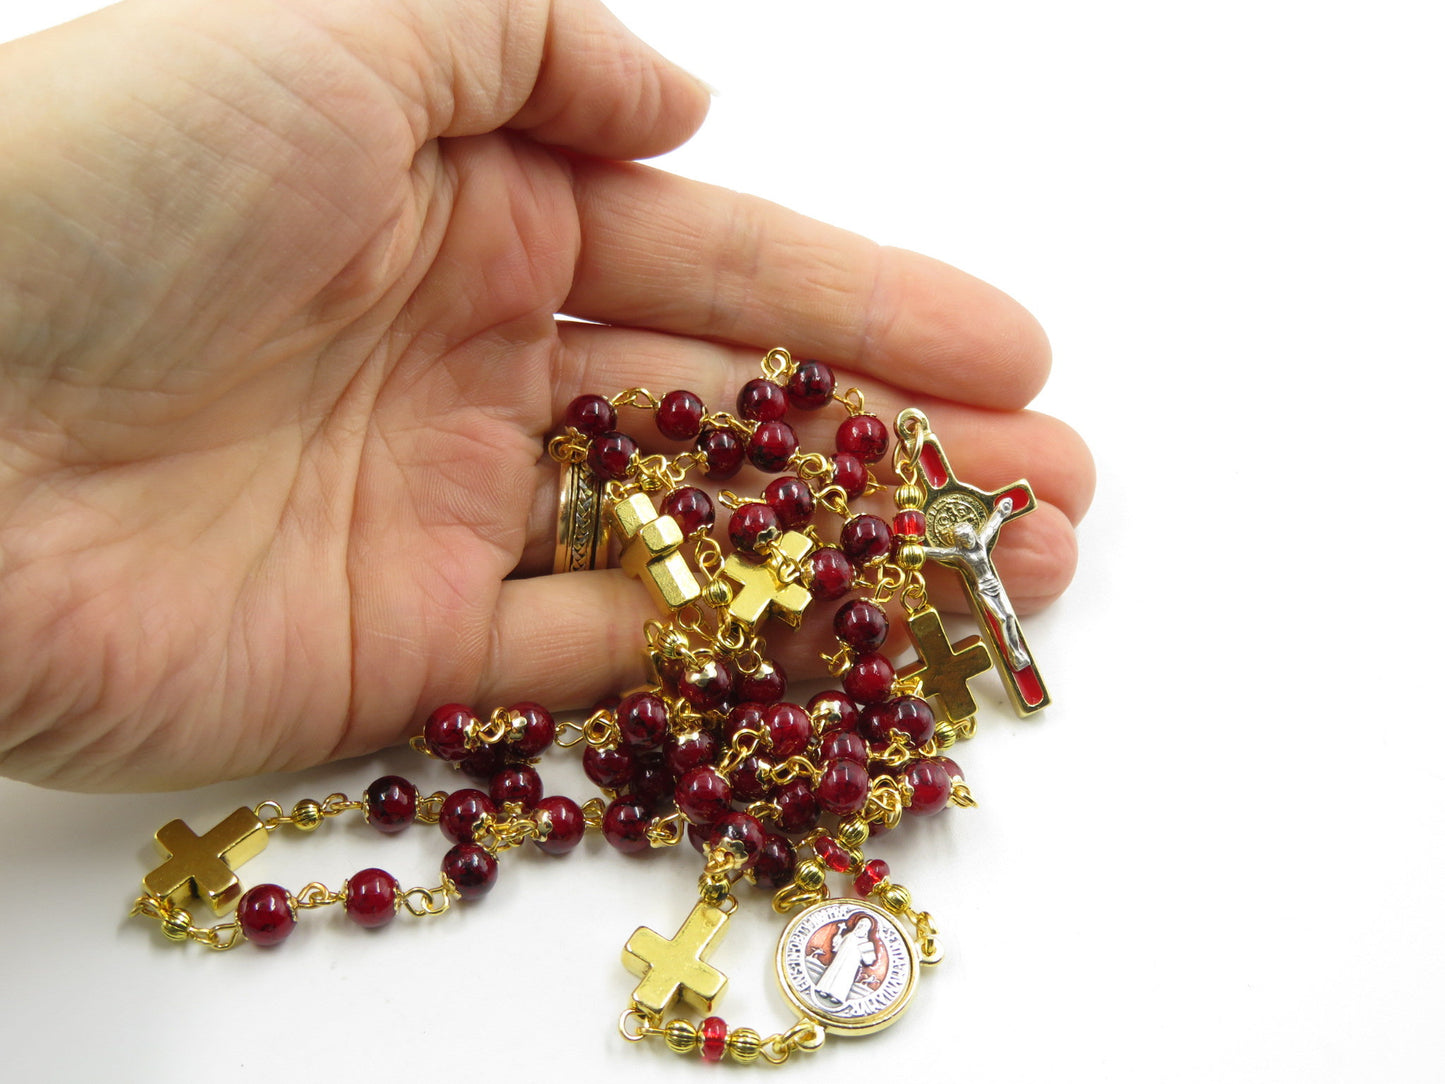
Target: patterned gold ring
(581, 526)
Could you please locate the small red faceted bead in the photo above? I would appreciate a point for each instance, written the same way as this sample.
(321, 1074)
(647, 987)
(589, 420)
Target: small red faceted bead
(870, 679)
(875, 872)
(707, 688)
(776, 862)
(610, 455)
(679, 415)
(762, 401)
(471, 869)
(742, 829)
(865, 436)
(843, 788)
(772, 446)
(850, 475)
(914, 717)
(642, 720)
(624, 824)
(797, 806)
(390, 804)
(831, 574)
(461, 812)
(789, 729)
(811, 385)
(832, 710)
(861, 624)
(610, 769)
(724, 451)
(652, 783)
(371, 898)
(483, 763)
(591, 414)
(748, 782)
(517, 783)
(931, 787)
(792, 500)
(764, 685)
(865, 538)
(832, 854)
(703, 795)
(265, 915)
(713, 1038)
(538, 729)
(910, 523)
(843, 745)
(691, 507)
(751, 525)
(567, 823)
(446, 729)
(693, 749)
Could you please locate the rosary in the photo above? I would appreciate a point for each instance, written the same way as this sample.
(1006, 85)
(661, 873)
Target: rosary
(770, 792)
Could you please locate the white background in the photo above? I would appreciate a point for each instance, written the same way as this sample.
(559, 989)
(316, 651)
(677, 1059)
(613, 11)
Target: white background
(1219, 856)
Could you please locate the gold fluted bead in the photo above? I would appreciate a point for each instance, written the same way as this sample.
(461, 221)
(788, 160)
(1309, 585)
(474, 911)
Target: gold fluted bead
(306, 815)
(852, 834)
(176, 925)
(680, 1036)
(714, 892)
(809, 874)
(909, 496)
(896, 898)
(744, 1044)
(911, 557)
(945, 734)
(717, 593)
(672, 644)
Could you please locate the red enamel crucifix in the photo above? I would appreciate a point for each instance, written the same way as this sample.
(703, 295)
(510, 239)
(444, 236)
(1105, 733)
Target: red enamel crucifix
(963, 522)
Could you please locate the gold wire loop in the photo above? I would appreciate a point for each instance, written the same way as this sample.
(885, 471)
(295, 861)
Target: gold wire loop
(638, 397)
(271, 820)
(777, 363)
(426, 901)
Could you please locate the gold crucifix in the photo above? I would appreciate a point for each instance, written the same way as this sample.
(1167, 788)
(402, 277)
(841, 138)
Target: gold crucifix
(202, 865)
(650, 552)
(678, 967)
(943, 669)
(773, 588)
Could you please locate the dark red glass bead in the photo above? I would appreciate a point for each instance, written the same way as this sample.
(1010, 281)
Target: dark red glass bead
(591, 414)
(610, 455)
(390, 804)
(811, 385)
(790, 497)
(776, 861)
(471, 869)
(910, 523)
(724, 451)
(703, 795)
(842, 745)
(749, 715)
(642, 720)
(747, 779)
(742, 829)
(931, 786)
(789, 730)
(833, 710)
(865, 538)
(707, 688)
(446, 729)
(684, 752)
(832, 854)
(699, 836)
(691, 507)
(712, 1036)
(864, 436)
(914, 717)
(831, 574)
(371, 898)
(797, 807)
(850, 475)
(265, 915)
(874, 873)
(764, 685)
(950, 765)
(843, 788)
(461, 812)
(870, 679)
(679, 415)
(624, 824)
(876, 721)
(751, 525)
(482, 763)
(538, 729)
(517, 783)
(610, 769)
(861, 624)
(652, 783)
(568, 825)
(762, 401)
(771, 446)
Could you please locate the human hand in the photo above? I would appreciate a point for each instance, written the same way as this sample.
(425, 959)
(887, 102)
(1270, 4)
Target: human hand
(278, 285)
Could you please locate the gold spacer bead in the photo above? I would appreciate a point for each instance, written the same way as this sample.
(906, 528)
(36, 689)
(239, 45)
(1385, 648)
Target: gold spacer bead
(714, 892)
(911, 557)
(680, 1036)
(672, 644)
(176, 925)
(908, 496)
(744, 1044)
(852, 834)
(306, 815)
(945, 736)
(896, 898)
(717, 593)
(809, 874)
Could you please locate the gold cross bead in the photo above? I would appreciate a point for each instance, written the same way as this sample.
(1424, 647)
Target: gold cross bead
(203, 865)
(677, 967)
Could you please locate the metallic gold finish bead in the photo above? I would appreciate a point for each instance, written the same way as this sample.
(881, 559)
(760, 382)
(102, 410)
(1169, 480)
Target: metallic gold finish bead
(910, 556)
(896, 898)
(176, 925)
(945, 735)
(909, 496)
(306, 815)
(826, 716)
(744, 1044)
(680, 1036)
(718, 593)
(714, 892)
(809, 874)
(672, 644)
(852, 834)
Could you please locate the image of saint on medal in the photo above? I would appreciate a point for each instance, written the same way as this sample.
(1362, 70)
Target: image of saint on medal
(845, 960)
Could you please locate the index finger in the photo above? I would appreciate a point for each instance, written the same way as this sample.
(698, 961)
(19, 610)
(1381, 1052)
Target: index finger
(671, 254)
